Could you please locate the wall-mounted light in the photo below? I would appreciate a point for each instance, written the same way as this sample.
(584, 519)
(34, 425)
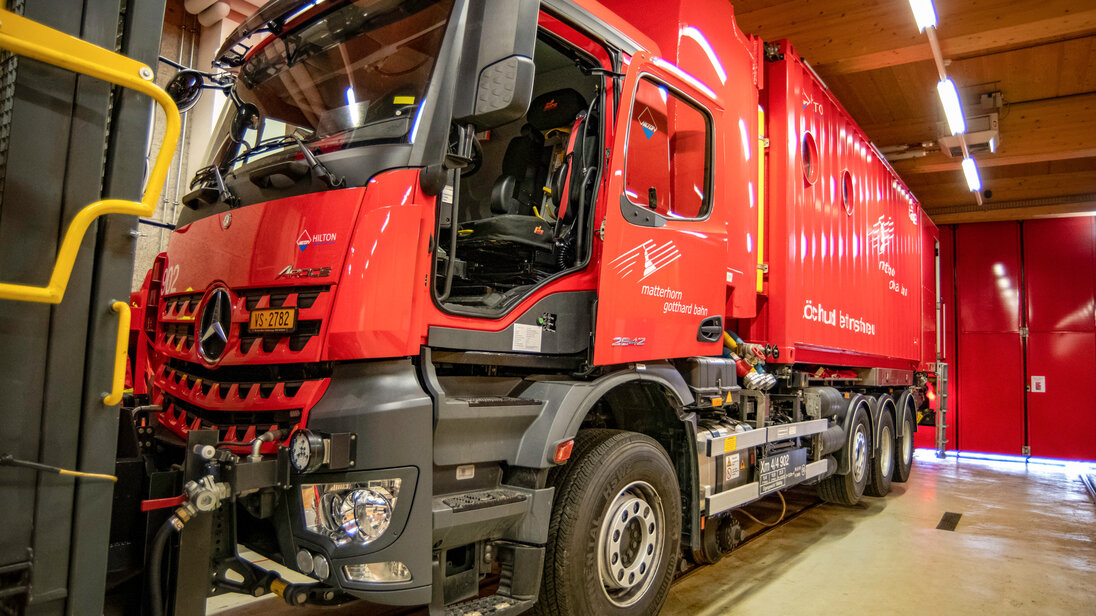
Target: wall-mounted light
(949, 97)
(923, 13)
(971, 171)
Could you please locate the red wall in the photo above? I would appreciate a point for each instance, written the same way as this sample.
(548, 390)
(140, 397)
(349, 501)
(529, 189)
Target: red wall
(1007, 276)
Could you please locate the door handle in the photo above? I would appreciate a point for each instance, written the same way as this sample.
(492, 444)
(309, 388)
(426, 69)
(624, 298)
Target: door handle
(711, 330)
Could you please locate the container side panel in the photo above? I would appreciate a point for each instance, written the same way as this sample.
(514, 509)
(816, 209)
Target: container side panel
(845, 234)
(926, 436)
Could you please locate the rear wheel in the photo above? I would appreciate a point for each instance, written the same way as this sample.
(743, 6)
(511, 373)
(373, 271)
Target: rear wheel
(903, 460)
(847, 489)
(882, 463)
(614, 537)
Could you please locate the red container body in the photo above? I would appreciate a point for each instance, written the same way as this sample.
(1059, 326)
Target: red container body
(848, 282)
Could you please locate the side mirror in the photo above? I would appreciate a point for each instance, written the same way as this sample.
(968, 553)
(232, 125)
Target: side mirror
(185, 88)
(247, 116)
(498, 58)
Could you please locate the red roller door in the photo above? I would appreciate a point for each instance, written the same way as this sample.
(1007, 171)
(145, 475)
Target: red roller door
(990, 357)
(1060, 285)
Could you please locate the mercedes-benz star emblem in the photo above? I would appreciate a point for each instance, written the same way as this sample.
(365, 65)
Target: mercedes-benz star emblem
(215, 324)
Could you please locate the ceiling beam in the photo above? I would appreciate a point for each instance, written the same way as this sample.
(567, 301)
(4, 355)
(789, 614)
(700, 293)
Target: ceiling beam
(1081, 207)
(968, 45)
(1039, 131)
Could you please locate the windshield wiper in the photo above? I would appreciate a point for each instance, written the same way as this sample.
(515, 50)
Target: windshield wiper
(317, 167)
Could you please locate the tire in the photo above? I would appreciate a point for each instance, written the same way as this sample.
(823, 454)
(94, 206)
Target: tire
(903, 448)
(618, 494)
(847, 489)
(882, 460)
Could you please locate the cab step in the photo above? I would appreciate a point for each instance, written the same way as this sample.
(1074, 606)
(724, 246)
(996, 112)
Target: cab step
(470, 501)
(493, 605)
(496, 401)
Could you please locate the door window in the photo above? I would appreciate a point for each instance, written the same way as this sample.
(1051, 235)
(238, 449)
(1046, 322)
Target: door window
(669, 145)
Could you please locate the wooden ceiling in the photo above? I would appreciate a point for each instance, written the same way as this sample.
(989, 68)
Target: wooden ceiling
(1040, 54)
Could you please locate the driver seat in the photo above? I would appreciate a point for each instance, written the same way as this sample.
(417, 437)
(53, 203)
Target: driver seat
(520, 191)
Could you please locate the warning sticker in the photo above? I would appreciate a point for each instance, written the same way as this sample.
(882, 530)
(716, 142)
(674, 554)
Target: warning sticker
(526, 338)
(732, 469)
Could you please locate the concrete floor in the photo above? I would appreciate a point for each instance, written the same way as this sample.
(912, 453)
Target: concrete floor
(1026, 544)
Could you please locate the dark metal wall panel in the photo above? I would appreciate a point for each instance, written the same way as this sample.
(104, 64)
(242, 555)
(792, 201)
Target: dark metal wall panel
(56, 361)
(111, 281)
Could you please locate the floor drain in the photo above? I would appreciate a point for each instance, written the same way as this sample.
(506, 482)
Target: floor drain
(949, 521)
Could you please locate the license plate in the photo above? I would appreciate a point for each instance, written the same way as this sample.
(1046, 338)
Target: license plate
(782, 470)
(273, 320)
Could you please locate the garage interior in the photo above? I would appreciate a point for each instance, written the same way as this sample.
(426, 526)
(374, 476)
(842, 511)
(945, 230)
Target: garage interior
(1000, 511)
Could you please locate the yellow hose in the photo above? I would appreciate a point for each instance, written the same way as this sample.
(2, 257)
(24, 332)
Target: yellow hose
(729, 342)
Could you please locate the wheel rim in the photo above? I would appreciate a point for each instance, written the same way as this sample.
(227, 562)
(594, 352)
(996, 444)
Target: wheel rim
(859, 453)
(907, 443)
(630, 543)
(886, 452)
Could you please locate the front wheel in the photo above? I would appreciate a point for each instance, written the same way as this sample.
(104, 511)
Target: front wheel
(614, 537)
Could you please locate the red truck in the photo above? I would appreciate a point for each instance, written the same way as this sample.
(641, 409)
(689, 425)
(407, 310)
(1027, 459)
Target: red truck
(545, 289)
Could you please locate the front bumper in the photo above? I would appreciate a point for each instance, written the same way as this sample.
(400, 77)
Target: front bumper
(384, 404)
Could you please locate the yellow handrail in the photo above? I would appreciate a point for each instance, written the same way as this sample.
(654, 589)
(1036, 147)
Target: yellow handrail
(33, 40)
(118, 382)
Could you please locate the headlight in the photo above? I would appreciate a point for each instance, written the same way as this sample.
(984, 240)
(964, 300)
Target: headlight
(346, 512)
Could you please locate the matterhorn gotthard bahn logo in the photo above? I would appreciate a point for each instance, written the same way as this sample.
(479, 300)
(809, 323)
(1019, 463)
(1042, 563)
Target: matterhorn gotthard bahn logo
(306, 239)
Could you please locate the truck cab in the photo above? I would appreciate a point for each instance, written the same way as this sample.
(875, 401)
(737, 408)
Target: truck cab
(456, 283)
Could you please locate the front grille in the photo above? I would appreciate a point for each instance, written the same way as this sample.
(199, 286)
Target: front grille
(179, 316)
(179, 336)
(232, 426)
(306, 296)
(297, 340)
(184, 305)
(244, 382)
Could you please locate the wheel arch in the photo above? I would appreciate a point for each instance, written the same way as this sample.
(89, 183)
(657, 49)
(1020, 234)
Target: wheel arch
(660, 395)
(569, 404)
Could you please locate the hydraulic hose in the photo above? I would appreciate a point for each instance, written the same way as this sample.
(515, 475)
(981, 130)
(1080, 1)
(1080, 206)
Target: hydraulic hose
(156, 560)
(257, 444)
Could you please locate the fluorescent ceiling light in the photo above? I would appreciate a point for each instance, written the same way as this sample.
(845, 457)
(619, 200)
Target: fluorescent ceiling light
(971, 171)
(923, 13)
(949, 97)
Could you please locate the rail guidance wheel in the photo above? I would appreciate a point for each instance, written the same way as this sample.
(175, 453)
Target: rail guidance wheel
(614, 537)
(903, 463)
(882, 463)
(847, 489)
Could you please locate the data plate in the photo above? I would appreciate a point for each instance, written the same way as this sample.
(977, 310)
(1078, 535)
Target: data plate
(782, 470)
(273, 321)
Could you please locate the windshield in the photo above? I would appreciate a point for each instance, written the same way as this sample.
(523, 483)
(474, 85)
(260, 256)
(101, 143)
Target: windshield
(340, 73)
